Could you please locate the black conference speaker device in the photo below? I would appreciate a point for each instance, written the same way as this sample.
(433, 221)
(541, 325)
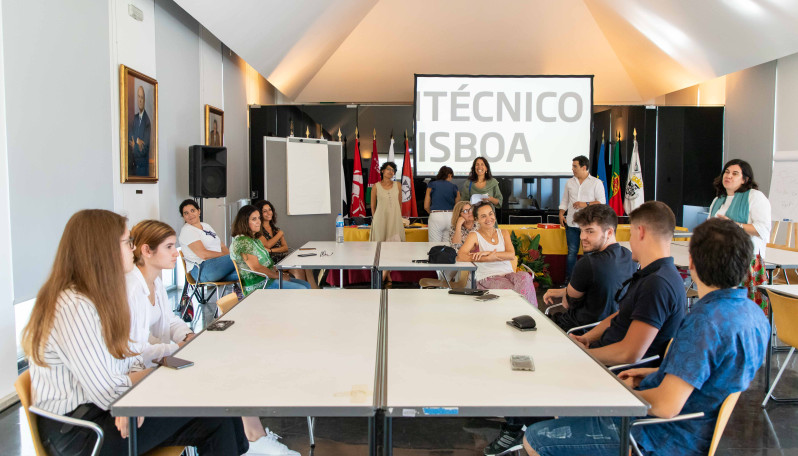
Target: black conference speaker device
(207, 171)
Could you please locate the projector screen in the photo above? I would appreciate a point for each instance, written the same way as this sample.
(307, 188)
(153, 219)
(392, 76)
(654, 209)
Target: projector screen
(523, 125)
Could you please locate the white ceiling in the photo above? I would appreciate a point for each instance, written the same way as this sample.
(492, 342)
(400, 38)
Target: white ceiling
(368, 50)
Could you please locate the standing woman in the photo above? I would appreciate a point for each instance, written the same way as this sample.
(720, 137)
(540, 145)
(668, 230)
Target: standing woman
(738, 199)
(156, 331)
(273, 239)
(439, 200)
(386, 207)
(492, 251)
(77, 342)
(480, 185)
(207, 258)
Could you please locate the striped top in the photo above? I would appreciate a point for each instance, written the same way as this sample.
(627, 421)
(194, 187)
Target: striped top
(80, 368)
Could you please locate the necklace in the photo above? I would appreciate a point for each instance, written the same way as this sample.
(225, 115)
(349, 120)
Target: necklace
(493, 238)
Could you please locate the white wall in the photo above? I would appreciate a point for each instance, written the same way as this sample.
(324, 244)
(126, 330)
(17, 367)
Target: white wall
(750, 112)
(132, 45)
(8, 352)
(786, 137)
(57, 109)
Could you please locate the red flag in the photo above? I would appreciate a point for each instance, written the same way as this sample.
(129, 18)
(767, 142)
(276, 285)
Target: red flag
(409, 208)
(357, 208)
(374, 169)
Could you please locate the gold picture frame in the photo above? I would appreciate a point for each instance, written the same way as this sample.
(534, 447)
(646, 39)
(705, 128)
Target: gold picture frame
(214, 134)
(138, 126)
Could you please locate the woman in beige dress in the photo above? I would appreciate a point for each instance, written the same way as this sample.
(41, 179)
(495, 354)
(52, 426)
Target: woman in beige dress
(386, 210)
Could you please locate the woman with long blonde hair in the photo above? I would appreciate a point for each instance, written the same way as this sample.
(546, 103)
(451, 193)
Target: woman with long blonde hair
(81, 360)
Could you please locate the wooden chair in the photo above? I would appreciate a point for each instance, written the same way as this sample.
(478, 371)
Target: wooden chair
(720, 424)
(198, 290)
(226, 302)
(785, 321)
(23, 385)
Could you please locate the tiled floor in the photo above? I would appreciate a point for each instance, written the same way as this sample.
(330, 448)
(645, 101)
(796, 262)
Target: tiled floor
(752, 431)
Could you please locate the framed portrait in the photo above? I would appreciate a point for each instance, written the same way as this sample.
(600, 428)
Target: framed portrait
(138, 126)
(214, 126)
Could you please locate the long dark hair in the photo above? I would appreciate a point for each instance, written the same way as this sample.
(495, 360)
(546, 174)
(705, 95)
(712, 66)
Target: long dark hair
(444, 173)
(241, 222)
(472, 176)
(273, 221)
(748, 176)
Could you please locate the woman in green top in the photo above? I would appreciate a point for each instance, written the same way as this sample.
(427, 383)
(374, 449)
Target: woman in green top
(249, 254)
(481, 182)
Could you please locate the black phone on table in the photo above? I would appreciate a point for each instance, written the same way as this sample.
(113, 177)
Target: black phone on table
(174, 363)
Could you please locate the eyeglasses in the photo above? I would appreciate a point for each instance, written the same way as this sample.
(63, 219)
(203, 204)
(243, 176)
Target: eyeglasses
(210, 233)
(466, 211)
(325, 253)
(130, 242)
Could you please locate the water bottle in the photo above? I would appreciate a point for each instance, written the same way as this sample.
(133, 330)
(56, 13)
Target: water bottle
(339, 229)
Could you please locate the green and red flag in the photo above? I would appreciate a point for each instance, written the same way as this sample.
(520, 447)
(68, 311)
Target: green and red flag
(616, 203)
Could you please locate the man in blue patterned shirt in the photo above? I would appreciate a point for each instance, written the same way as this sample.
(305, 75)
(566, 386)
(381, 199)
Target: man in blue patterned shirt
(716, 352)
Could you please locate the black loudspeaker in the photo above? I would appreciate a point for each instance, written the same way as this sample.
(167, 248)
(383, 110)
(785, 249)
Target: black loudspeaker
(207, 171)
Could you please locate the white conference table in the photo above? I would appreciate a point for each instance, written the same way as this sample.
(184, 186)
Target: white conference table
(399, 256)
(332, 255)
(289, 353)
(449, 355)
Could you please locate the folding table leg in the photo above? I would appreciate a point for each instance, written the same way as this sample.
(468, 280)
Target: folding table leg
(387, 437)
(624, 436)
(131, 438)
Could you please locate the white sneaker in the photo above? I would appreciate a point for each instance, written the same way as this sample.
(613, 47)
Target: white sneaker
(269, 446)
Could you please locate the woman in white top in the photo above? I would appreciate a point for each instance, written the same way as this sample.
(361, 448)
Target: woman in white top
(155, 330)
(207, 258)
(77, 342)
(738, 199)
(492, 250)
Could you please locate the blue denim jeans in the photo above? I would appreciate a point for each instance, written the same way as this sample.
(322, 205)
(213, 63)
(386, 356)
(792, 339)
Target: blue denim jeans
(293, 284)
(596, 436)
(572, 239)
(219, 269)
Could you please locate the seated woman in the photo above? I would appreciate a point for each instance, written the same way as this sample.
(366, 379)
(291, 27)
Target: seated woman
(77, 342)
(492, 251)
(462, 224)
(250, 255)
(207, 258)
(273, 239)
(156, 331)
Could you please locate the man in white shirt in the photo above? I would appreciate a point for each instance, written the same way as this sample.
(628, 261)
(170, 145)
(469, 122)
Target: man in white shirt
(580, 191)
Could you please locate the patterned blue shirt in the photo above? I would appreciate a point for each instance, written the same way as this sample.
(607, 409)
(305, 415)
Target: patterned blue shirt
(718, 349)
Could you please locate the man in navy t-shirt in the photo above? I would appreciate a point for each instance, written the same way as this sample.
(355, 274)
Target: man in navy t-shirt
(597, 276)
(652, 303)
(716, 352)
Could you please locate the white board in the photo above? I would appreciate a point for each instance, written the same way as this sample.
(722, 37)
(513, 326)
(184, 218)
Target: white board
(783, 186)
(307, 178)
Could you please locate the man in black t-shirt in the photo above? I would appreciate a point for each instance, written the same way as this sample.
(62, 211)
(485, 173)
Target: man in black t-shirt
(652, 304)
(590, 295)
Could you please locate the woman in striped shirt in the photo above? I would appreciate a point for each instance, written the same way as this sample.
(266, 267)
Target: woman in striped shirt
(80, 359)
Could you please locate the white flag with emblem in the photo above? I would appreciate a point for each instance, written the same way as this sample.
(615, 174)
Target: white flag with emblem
(634, 183)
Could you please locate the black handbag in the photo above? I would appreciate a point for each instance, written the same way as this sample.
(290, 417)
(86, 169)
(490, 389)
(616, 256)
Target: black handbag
(442, 254)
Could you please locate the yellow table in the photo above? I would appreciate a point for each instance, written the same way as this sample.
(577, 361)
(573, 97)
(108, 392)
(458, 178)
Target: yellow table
(551, 240)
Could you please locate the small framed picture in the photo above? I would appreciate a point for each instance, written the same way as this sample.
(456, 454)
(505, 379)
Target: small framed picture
(138, 104)
(214, 126)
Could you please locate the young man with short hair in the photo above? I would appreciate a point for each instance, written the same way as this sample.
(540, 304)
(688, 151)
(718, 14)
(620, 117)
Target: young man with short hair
(581, 191)
(597, 276)
(717, 351)
(652, 303)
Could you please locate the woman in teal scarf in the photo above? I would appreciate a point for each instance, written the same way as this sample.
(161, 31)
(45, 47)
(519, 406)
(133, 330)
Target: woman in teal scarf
(739, 200)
